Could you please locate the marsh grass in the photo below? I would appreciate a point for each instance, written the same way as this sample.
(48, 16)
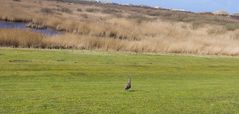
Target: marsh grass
(20, 38)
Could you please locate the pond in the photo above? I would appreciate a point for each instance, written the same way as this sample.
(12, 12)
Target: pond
(23, 25)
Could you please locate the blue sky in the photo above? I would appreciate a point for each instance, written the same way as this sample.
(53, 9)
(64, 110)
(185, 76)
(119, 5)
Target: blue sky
(231, 6)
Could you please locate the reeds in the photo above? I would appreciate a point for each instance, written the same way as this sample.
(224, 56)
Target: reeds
(20, 38)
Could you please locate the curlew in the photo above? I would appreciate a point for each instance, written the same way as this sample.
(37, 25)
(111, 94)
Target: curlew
(128, 85)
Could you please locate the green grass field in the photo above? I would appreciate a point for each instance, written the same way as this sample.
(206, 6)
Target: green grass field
(85, 82)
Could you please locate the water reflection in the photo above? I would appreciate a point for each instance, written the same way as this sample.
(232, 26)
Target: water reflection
(22, 25)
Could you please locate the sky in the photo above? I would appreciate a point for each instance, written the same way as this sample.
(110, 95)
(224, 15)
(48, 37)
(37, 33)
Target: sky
(231, 6)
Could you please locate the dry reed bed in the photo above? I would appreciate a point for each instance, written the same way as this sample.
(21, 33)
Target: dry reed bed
(161, 37)
(20, 38)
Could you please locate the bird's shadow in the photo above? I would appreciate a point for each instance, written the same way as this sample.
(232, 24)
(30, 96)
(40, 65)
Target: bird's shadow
(133, 90)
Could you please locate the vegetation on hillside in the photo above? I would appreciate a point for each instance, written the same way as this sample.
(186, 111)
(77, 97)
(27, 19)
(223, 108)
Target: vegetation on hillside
(90, 25)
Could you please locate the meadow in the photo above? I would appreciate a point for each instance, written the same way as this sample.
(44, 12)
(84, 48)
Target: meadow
(179, 62)
(86, 82)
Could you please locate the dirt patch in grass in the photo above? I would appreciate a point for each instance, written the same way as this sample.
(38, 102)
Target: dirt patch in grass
(19, 61)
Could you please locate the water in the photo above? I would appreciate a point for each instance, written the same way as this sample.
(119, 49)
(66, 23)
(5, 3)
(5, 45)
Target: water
(22, 25)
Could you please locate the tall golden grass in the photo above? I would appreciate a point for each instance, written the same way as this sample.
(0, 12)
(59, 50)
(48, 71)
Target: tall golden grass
(167, 38)
(20, 38)
(97, 30)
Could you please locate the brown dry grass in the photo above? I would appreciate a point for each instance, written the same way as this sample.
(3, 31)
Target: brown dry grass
(19, 38)
(134, 29)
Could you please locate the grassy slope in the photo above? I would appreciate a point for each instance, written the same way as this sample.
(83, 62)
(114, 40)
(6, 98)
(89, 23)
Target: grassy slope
(92, 82)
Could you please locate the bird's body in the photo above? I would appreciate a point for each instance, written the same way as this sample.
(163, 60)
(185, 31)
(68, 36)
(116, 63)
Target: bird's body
(128, 85)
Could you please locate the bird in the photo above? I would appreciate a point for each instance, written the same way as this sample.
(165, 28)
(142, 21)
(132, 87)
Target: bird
(128, 85)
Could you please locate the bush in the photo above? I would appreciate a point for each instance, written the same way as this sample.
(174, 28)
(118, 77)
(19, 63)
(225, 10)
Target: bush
(79, 10)
(64, 9)
(111, 11)
(92, 10)
(47, 11)
(232, 27)
(139, 18)
(17, 0)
